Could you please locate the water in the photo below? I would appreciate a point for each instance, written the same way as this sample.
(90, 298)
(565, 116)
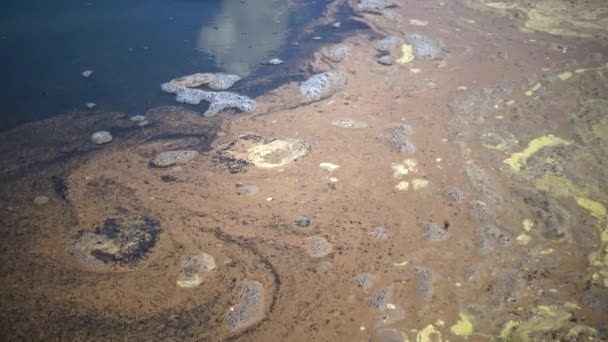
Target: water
(132, 47)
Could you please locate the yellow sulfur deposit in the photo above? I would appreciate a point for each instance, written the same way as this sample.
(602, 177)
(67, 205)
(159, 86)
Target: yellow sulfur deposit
(407, 52)
(428, 334)
(464, 327)
(560, 186)
(519, 159)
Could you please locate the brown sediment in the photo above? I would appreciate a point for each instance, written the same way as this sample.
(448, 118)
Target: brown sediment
(487, 150)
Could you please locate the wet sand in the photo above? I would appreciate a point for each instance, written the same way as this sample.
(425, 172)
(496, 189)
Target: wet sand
(497, 236)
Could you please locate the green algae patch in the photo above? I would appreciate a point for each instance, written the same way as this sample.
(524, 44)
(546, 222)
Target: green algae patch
(548, 323)
(519, 159)
(429, 334)
(407, 54)
(464, 327)
(560, 186)
(550, 16)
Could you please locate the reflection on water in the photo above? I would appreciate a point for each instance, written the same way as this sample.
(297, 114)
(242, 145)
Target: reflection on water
(245, 34)
(133, 47)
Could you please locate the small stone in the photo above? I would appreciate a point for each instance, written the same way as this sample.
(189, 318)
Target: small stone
(143, 123)
(386, 60)
(303, 222)
(336, 24)
(87, 73)
(322, 86)
(40, 200)
(169, 158)
(90, 105)
(101, 137)
(275, 61)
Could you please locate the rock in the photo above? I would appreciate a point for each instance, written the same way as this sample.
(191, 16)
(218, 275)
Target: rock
(223, 81)
(349, 123)
(101, 137)
(426, 47)
(490, 237)
(218, 101)
(380, 298)
(337, 52)
(386, 60)
(250, 309)
(424, 282)
(433, 232)
(87, 73)
(255, 150)
(90, 105)
(137, 118)
(170, 158)
(192, 269)
(219, 81)
(40, 200)
(364, 281)
(277, 153)
(143, 123)
(247, 190)
(120, 241)
(380, 233)
(388, 43)
(318, 246)
(374, 6)
(275, 61)
(454, 194)
(397, 137)
(225, 100)
(303, 222)
(321, 86)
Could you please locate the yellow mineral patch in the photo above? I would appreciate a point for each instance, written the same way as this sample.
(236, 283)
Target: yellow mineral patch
(420, 183)
(546, 251)
(402, 186)
(519, 159)
(565, 75)
(596, 209)
(428, 334)
(401, 264)
(399, 170)
(407, 54)
(524, 239)
(464, 327)
(411, 164)
(534, 88)
(527, 224)
(277, 153)
(546, 321)
(551, 16)
(560, 186)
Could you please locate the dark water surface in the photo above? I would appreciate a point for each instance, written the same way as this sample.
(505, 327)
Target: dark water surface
(133, 46)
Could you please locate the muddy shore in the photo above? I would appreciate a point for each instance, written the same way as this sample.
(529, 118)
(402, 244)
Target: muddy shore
(456, 194)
